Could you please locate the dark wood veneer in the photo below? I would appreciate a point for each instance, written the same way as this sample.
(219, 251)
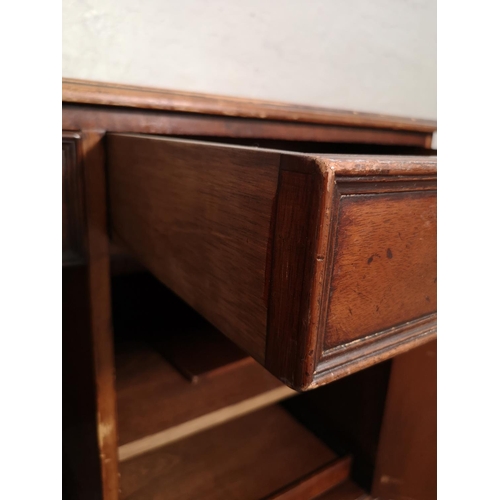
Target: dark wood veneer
(87, 335)
(147, 121)
(112, 94)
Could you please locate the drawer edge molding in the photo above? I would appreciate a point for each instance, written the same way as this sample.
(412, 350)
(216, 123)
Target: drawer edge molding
(360, 354)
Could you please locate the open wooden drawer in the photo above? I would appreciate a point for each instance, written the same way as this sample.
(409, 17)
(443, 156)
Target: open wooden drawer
(316, 265)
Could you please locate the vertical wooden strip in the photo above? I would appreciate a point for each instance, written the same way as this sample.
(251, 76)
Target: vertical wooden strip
(100, 309)
(287, 275)
(293, 263)
(407, 454)
(81, 463)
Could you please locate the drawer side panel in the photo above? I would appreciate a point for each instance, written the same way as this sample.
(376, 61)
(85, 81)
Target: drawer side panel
(198, 216)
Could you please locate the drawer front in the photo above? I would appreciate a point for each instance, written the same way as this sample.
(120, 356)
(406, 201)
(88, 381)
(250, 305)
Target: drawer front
(382, 271)
(384, 266)
(316, 265)
(73, 218)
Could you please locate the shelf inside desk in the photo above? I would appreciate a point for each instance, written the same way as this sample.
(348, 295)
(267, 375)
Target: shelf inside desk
(250, 457)
(157, 404)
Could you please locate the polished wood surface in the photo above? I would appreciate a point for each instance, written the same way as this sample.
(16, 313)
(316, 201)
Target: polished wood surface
(100, 307)
(270, 247)
(146, 121)
(248, 458)
(292, 275)
(110, 94)
(317, 482)
(199, 219)
(385, 266)
(407, 455)
(88, 341)
(199, 424)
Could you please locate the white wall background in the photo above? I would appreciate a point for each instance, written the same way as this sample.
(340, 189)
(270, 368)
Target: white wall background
(366, 55)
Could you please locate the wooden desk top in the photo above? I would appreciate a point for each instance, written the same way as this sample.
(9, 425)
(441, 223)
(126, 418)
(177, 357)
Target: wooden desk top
(110, 94)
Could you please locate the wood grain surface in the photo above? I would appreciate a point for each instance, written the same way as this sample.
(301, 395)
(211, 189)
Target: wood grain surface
(292, 256)
(153, 396)
(100, 306)
(245, 459)
(384, 269)
(147, 121)
(292, 275)
(200, 424)
(88, 341)
(380, 205)
(407, 454)
(111, 94)
(199, 219)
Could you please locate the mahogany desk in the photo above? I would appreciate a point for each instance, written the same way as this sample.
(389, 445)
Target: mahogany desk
(249, 299)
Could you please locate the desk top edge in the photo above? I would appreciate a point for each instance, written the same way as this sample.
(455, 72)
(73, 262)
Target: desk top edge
(110, 94)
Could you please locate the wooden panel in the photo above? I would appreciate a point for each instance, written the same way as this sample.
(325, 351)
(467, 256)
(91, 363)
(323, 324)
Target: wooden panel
(99, 282)
(384, 270)
(347, 416)
(247, 458)
(147, 98)
(407, 454)
(145, 121)
(317, 482)
(292, 274)
(73, 215)
(199, 219)
(89, 344)
(81, 464)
